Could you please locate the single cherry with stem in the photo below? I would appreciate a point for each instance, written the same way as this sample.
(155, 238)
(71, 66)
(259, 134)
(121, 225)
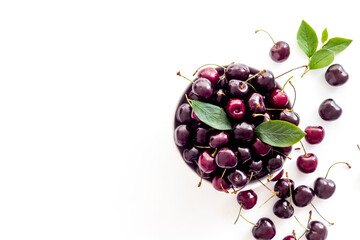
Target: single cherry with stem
(280, 51)
(315, 230)
(278, 98)
(308, 162)
(247, 200)
(264, 229)
(314, 134)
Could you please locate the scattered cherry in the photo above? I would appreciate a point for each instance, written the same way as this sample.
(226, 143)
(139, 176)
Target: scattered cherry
(316, 231)
(307, 163)
(283, 189)
(283, 209)
(264, 229)
(235, 108)
(280, 51)
(278, 176)
(314, 134)
(302, 196)
(289, 238)
(336, 75)
(247, 199)
(329, 110)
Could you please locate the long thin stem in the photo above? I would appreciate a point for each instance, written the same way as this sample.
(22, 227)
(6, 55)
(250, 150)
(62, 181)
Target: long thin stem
(291, 71)
(267, 200)
(262, 115)
(201, 174)
(292, 107)
(334, 165)
(222, 176)
(179, 74)
(286, 83)
(261, 72)
(209, 64)
(287, 176)
(307, 229)
(267, 34)
(321, 215)
(303, 148)
(310, 214)
(238, 214)
(266, 186)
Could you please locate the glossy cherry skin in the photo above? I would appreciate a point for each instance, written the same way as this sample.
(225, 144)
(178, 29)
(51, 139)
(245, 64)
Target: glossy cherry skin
(303, 196)
(278, 176)
(336, 75)
(226, 158)
(291, 117)
(260, 148)
(189, 155)
(314, 134)
(217, 181)
(207, 162)
(237, 71)
(235, 108)
(244, 131)
(324, 188)
(237, 88)
(280, 52)
(329, 110)
(203, 88)
(289, 238)
(283, 188)
(183, 113)
(318, 231)
(220, 97)
(210, 74)
(265, 82)
(248, 199)
(254, 167)
(278, 99)
(244, 155)
(265, 229)
(307, 163)
(275, 163)
(181, 135)
(238, 179)
(219, 139)
(194, 117)
(201, 136)
(283, 209)
(256, 103)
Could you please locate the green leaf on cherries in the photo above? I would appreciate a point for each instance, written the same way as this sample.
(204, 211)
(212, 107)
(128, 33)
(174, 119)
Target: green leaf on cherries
(279, 133)
(212, 115)
(324, 35)
(321, 58)
(307, 39)
(337, 44)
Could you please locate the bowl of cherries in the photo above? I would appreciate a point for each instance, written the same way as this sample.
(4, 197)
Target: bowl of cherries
(219, 121)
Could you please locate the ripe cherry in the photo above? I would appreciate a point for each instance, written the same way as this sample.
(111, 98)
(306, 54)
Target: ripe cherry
(278, 99)
(207, 162)
(226, 158)
(336, 75)
(283, 209)
(181, 135)
(237, 71)
(247, 199)
(317, 231)
(220, 184)
(219, 139)
(235, 108)
(203, 88)
(264, 229)
(314, 134)
(329, 110)
(244, 131)
(261, 148)
(237, 88)
(183, 113)
(303, 196)
(238, 179)
(280, 51)
(189, 155)
(307, 163)
(209, 73)
(265, 82)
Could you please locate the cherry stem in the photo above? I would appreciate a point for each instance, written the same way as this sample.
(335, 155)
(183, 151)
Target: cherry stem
(307, 229)
(202, 146)
(270, 176)
(334, 165)
(293, 233)
(267, 34)
(286, 83)
(238, 214)
(266, 186)
(321, 215)
(256, 74)
(188, 100)
(292, 107)
(297, 149)
(291, 71)
(201, 173)
(208, 65)
(262, 115)
(251, 176)
(282, 154)
(179, 74)
(213, 154)
(267, 200)
(279, 109)
(222, 176)
(303, 148)
(306, 71)
(287, 176)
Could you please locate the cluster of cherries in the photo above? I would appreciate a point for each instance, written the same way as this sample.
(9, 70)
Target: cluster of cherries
(231, 159)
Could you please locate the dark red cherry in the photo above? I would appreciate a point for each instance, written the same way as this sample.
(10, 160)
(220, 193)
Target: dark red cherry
(203, 88)
(217, 181)
(307, 163)
(256, 103)
(248, 199)
(237, 71)
(264, 229)
(275, 163)
(238, 179)
(207, 162)
(318, 231)
(265, 82)
(280, 52)
(183, 113)
(237, 88)
(278, 176)
(254, 167)
(244, 131)
(219, 139)
(283, 188)
(189, 155)
(283, 209)
(260, 148)
(336, 75)
(210, 74)
(329, 110)
(220, 97)
(194, 117)
(314, 134)
(324, 188)
(278, 99)
(202, 136)
(291, 117)
(235, 108)
(226, 158)
(181, 135)
(289, 238)
(303, 196)
(244, 155)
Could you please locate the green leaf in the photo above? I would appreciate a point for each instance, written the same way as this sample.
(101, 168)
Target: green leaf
(324, 35)
(321, 58)
(307, 39)
(337, 44)
(279, 133)
(212, 115)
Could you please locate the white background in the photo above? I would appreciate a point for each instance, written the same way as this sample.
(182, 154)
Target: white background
(88, 91)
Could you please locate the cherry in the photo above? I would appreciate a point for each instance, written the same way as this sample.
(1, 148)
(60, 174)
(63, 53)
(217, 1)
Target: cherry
(183, 113)
(189, 155)
(194, 117)
(316, 231)
(243, 155)
(254, 167)
(181, 135)
(237, 71)
(303, 196)
(314, 134)
(207, 162)
(238, 179)
(226, 158)
(237, 88)
(261, 148)
(329, 110)
(220, 184)
(289, 238)
(275, 163)
(202, 136)
(256, 103)
(244, 131)
(220, 97)
(307, 163)
(247, 199)
(265, 82)
(219, 139)
(264, 229)
(291, 117)
(235, 108)
(278, 99)
(336, 75)
(283, 209)
(286, 150)
(203, 88)
(210, 74)
(278, 176)
(280, 51)
(283, 189)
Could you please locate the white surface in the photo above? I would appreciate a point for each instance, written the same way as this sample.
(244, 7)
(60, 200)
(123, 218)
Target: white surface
(87, 96)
